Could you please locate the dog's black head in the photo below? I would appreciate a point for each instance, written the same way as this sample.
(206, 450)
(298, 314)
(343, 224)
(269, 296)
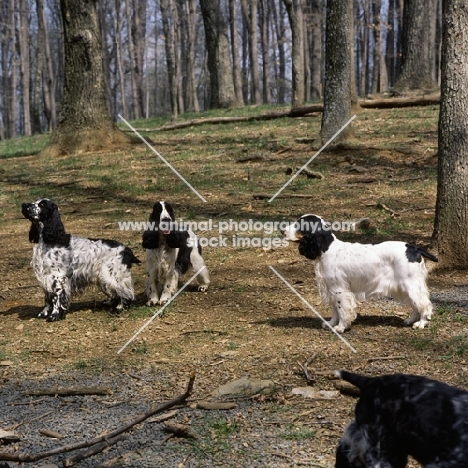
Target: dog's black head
(313, 233)
(45, 220)
(161, 221)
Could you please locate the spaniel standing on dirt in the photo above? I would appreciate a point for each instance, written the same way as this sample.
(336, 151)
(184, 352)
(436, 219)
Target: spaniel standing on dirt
(405, 415)
(169, 254)
(346, 272)
(65, 264)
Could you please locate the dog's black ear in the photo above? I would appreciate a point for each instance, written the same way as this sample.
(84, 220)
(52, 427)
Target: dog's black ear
(34, 234)
(314, 244)
(54, 231)
(150, 240)
(177, 239)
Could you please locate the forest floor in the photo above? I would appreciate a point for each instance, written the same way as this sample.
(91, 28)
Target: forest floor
(248, 323)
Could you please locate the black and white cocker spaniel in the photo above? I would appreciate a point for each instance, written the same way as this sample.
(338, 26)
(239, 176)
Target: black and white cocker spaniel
(348, 272)
(65, 264)
(405, 415)
(170, 253)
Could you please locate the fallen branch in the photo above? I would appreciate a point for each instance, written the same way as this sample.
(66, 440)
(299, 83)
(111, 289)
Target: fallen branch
(264, 196)
(32, 457)
(385, 208)
(180, 430)
(346, 388)
(71, 391)
(385, 358)
(213, 405)
(96, 448)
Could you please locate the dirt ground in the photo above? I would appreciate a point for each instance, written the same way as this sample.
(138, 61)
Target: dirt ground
(248, 322)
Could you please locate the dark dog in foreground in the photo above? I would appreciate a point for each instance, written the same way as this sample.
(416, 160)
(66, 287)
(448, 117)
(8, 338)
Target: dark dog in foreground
(65, 264)
(405, 415)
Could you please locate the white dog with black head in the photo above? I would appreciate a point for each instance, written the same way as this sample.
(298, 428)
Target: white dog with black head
(348, 272)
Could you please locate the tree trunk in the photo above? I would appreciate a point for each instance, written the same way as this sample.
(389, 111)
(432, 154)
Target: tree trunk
(119, 57)
(416, 66)
(338, 70)
(295, 15)
(84, 123)
(281, 40)
(192, 97)
(219, 62)
(451, 222)
(316, 50)
(236, 68)
(376, 4)
(24, 65)
(265, 39)
(169, 36)
(249, 9)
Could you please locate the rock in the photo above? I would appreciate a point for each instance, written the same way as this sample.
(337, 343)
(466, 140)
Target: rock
(245, 386)
(309, 392)
(7, 437)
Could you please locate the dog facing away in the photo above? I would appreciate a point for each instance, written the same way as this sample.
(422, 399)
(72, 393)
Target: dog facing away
(400, 415)
(348, 272)
(65, 264)
(169, 254)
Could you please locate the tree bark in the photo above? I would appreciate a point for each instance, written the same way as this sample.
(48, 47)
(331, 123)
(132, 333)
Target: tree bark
(265, 40)
(219, 62)
(192, 97)
(84, 123)
(451, 221)
(281, 40)
(316, 50)
(416, 66)
(295, 15)
(236, 68)
(249, 9)
(24, 65)
(338, 70)
(169, 35)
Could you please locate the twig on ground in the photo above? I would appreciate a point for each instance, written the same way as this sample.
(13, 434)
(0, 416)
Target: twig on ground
(15, 426)
(385, 358)
(71, 391)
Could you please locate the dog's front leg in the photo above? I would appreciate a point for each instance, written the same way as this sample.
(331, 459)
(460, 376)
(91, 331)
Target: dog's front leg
(60, 299)
(48, 306)
(170, 286)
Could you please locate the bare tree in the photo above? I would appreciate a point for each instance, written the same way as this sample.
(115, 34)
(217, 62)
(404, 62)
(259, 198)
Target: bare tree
(84, 123)
(280, 30)
(192, 97)
(338, 69)
(266, 46)
(219, 63)
(416, 66)
(451, 222)
(23, 43)
(249, 9)
(315, 48)
(236, 68)
(295, 15)
(169, 27)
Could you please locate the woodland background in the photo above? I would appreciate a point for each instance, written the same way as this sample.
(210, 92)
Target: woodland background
(155, 54)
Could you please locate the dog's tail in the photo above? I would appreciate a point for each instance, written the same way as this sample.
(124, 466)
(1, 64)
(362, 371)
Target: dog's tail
(360, 381)
(428, 255)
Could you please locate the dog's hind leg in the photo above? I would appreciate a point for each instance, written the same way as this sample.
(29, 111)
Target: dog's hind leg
(198, 263)
(422, 307)
(48, 306)
(343, 304)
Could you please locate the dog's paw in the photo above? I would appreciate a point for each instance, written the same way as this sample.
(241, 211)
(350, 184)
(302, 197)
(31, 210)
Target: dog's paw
(54, 317)
(163, 300)
(339, 328)
(420, 324)
(43, 313)
(203, 288)
(152, 302)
